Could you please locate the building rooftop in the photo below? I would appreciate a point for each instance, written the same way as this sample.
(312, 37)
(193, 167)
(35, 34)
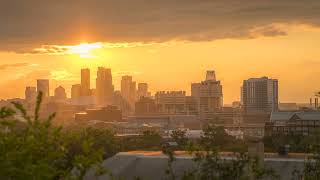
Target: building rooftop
(285, 116)
(153, 164)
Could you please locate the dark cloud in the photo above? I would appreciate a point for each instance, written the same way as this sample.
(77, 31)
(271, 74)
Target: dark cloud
(15, 65)
(26, 24)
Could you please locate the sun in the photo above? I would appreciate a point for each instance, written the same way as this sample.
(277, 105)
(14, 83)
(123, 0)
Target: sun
(84, 50)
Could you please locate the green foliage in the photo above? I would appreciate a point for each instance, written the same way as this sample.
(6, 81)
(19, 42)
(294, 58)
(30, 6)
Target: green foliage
(149, 141)
(38, 150)
(298, 143)
(179, 136)
(210, 164)
(312, 165)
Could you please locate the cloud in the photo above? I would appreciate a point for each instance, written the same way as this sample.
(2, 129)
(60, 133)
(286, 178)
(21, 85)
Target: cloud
(80, 48)
(269, 30)
(26, 25)
(15, 65)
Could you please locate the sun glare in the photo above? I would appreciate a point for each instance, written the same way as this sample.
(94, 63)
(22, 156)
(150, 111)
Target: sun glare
(84, 50)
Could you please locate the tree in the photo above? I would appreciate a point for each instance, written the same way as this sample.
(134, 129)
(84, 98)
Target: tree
(179, 136)
(38, 150)
(211, 165)
(312, 165)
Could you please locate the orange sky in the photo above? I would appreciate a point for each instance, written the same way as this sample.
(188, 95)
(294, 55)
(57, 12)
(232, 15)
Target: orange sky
(293, 58)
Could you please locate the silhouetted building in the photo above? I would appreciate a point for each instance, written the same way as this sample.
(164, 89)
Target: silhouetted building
(43, 86)
(30, 94)
(109, 113)
(142, 90)
(75, 91)
(145, 106)
(60, 94)
(64, 112)
(128, 90)
(260, 95)
(30, 99)
(85, 82)
(104, 87)
(208, 94)
(175, 102)
(226, 116)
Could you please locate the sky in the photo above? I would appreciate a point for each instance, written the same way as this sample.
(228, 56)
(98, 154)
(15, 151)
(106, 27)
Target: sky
(168, 44)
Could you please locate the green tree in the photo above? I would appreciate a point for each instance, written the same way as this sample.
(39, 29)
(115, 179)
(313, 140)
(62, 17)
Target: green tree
(211, 165)
(38, 150)
(312, 165)
(179, 136)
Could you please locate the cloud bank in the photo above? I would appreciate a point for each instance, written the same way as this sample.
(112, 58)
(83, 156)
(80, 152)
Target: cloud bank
(30, 24)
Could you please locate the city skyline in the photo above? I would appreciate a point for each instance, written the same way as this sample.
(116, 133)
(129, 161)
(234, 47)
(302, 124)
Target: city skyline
(86, 73)
(239, 40)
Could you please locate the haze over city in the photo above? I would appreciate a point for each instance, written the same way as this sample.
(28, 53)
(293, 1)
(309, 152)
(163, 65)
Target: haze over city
(159, 89)
(238, 40)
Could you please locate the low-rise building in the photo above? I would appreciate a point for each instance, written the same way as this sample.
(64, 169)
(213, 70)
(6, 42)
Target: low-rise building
(297, 123)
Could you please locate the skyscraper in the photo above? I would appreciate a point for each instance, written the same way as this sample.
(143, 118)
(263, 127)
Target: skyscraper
(30, 94)
(43, 86)
(104, 87)
(75, 91)
(128, 90)
(208, 94)
(85, 82)
(142, 90)
(260, 95)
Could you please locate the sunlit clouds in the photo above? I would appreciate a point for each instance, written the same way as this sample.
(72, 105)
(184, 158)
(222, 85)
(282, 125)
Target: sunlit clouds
(86, 50)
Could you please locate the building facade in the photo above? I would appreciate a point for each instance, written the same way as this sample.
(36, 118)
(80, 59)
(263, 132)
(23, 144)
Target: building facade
(30, 94)
(294, 123)
(208, 94)
(260, 95)
(128, 90)
(43, 86)
(142, 90)
(75, 91)
(60, 94)
(104, 87)
(85, 82)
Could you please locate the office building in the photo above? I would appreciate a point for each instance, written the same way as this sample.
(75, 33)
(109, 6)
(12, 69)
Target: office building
(128, 90)
(30, 94)
(142, 90)
(175, 102)
(104, 87)
(145, 106)
(85, 82)
(171, 102)
(208, 94)
(43, 86)
(260, 95)
(75, 91)
(60, 94)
